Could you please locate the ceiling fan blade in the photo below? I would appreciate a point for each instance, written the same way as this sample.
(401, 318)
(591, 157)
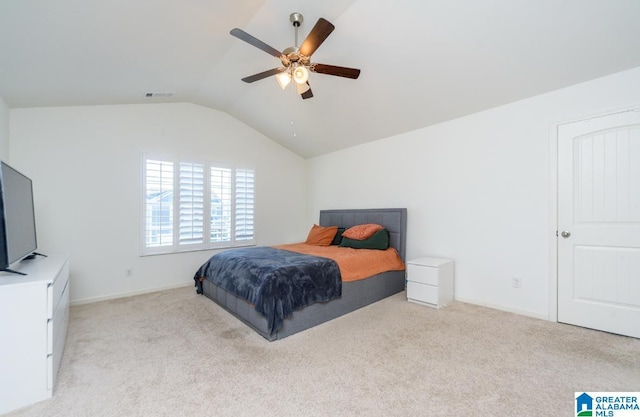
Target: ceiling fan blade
(261, 75)
(333, 70)
(242, 35)
(318, 34)
(307, 93)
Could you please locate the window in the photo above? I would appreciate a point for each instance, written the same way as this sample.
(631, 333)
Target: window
(189, 205)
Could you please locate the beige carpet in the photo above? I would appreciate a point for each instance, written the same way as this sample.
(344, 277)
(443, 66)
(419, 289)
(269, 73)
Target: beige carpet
(174, 353)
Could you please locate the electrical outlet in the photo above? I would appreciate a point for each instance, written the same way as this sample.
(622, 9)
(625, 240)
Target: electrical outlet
(128, 272)
(516, 282)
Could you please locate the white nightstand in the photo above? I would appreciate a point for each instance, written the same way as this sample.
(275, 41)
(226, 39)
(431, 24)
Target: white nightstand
(430, 281)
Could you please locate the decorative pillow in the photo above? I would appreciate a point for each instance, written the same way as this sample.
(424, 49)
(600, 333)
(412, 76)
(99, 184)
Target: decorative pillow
(379, 240)
(338, 237)
(321, 236)
(362, 231)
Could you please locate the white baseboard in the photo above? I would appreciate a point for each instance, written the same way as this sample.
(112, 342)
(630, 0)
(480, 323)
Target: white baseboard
(504, 308)
(174, 286)
(128, 294)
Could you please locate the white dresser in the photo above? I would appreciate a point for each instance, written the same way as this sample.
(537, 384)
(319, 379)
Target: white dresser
(430, 281)
(34, 316)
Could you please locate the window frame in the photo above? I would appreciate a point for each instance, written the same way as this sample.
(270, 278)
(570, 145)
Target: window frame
(206, 244)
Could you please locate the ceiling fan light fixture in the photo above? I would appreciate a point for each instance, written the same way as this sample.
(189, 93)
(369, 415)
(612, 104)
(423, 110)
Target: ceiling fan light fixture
(283, 79)
(300, 74)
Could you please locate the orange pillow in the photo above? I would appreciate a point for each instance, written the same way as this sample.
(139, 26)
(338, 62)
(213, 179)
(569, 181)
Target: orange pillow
(321, 236)
(362, 231)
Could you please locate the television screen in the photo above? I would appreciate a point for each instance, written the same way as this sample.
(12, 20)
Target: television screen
(17, 225)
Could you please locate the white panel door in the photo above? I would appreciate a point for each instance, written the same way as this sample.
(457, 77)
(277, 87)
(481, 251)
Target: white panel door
(599, 223)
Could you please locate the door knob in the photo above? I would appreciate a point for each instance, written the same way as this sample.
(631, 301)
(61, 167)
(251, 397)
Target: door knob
(565, 234)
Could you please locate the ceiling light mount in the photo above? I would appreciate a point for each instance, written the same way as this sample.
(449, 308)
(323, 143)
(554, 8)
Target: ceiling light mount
(296, 19)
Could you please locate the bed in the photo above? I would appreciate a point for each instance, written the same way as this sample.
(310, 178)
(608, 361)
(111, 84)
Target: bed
(351, 296)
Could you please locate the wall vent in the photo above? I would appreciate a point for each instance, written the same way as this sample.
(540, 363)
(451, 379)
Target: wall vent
(158, 95)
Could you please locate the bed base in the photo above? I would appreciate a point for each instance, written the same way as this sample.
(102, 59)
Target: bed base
(355, 295)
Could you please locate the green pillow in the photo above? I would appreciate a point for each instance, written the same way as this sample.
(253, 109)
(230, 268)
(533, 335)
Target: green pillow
(379, 240)
(338, 237)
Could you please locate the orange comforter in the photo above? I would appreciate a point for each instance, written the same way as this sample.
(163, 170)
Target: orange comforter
(354, 264)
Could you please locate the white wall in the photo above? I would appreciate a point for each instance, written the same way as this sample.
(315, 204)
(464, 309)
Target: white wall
(85, 163)
(477, 189)
(4, 131)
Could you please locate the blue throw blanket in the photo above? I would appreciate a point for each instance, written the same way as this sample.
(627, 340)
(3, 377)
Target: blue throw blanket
(275, 281)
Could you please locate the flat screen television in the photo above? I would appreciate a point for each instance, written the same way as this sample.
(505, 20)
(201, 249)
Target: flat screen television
(17, 217)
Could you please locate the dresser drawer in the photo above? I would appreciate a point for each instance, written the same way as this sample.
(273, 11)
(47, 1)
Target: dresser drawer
(55, 290)
(422, 292)
(56, 326)
(55, 358)
(60, 284)
(422, 274)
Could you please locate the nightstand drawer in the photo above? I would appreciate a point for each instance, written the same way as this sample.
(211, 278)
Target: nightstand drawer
(422, 293)
(422, 274)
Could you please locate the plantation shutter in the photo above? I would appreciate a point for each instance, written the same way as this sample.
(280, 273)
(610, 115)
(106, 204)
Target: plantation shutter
(158, 177)
(191, 204)
(220, 205)
(244, 204)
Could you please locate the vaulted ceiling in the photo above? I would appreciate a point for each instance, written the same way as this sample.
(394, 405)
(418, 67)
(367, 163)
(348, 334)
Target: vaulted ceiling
(422, 62)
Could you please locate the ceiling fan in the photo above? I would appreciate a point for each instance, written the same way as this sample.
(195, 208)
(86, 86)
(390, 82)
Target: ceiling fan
(296, 61)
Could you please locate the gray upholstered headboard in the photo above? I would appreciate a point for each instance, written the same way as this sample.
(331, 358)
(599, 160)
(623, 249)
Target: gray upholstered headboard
(394, 220)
